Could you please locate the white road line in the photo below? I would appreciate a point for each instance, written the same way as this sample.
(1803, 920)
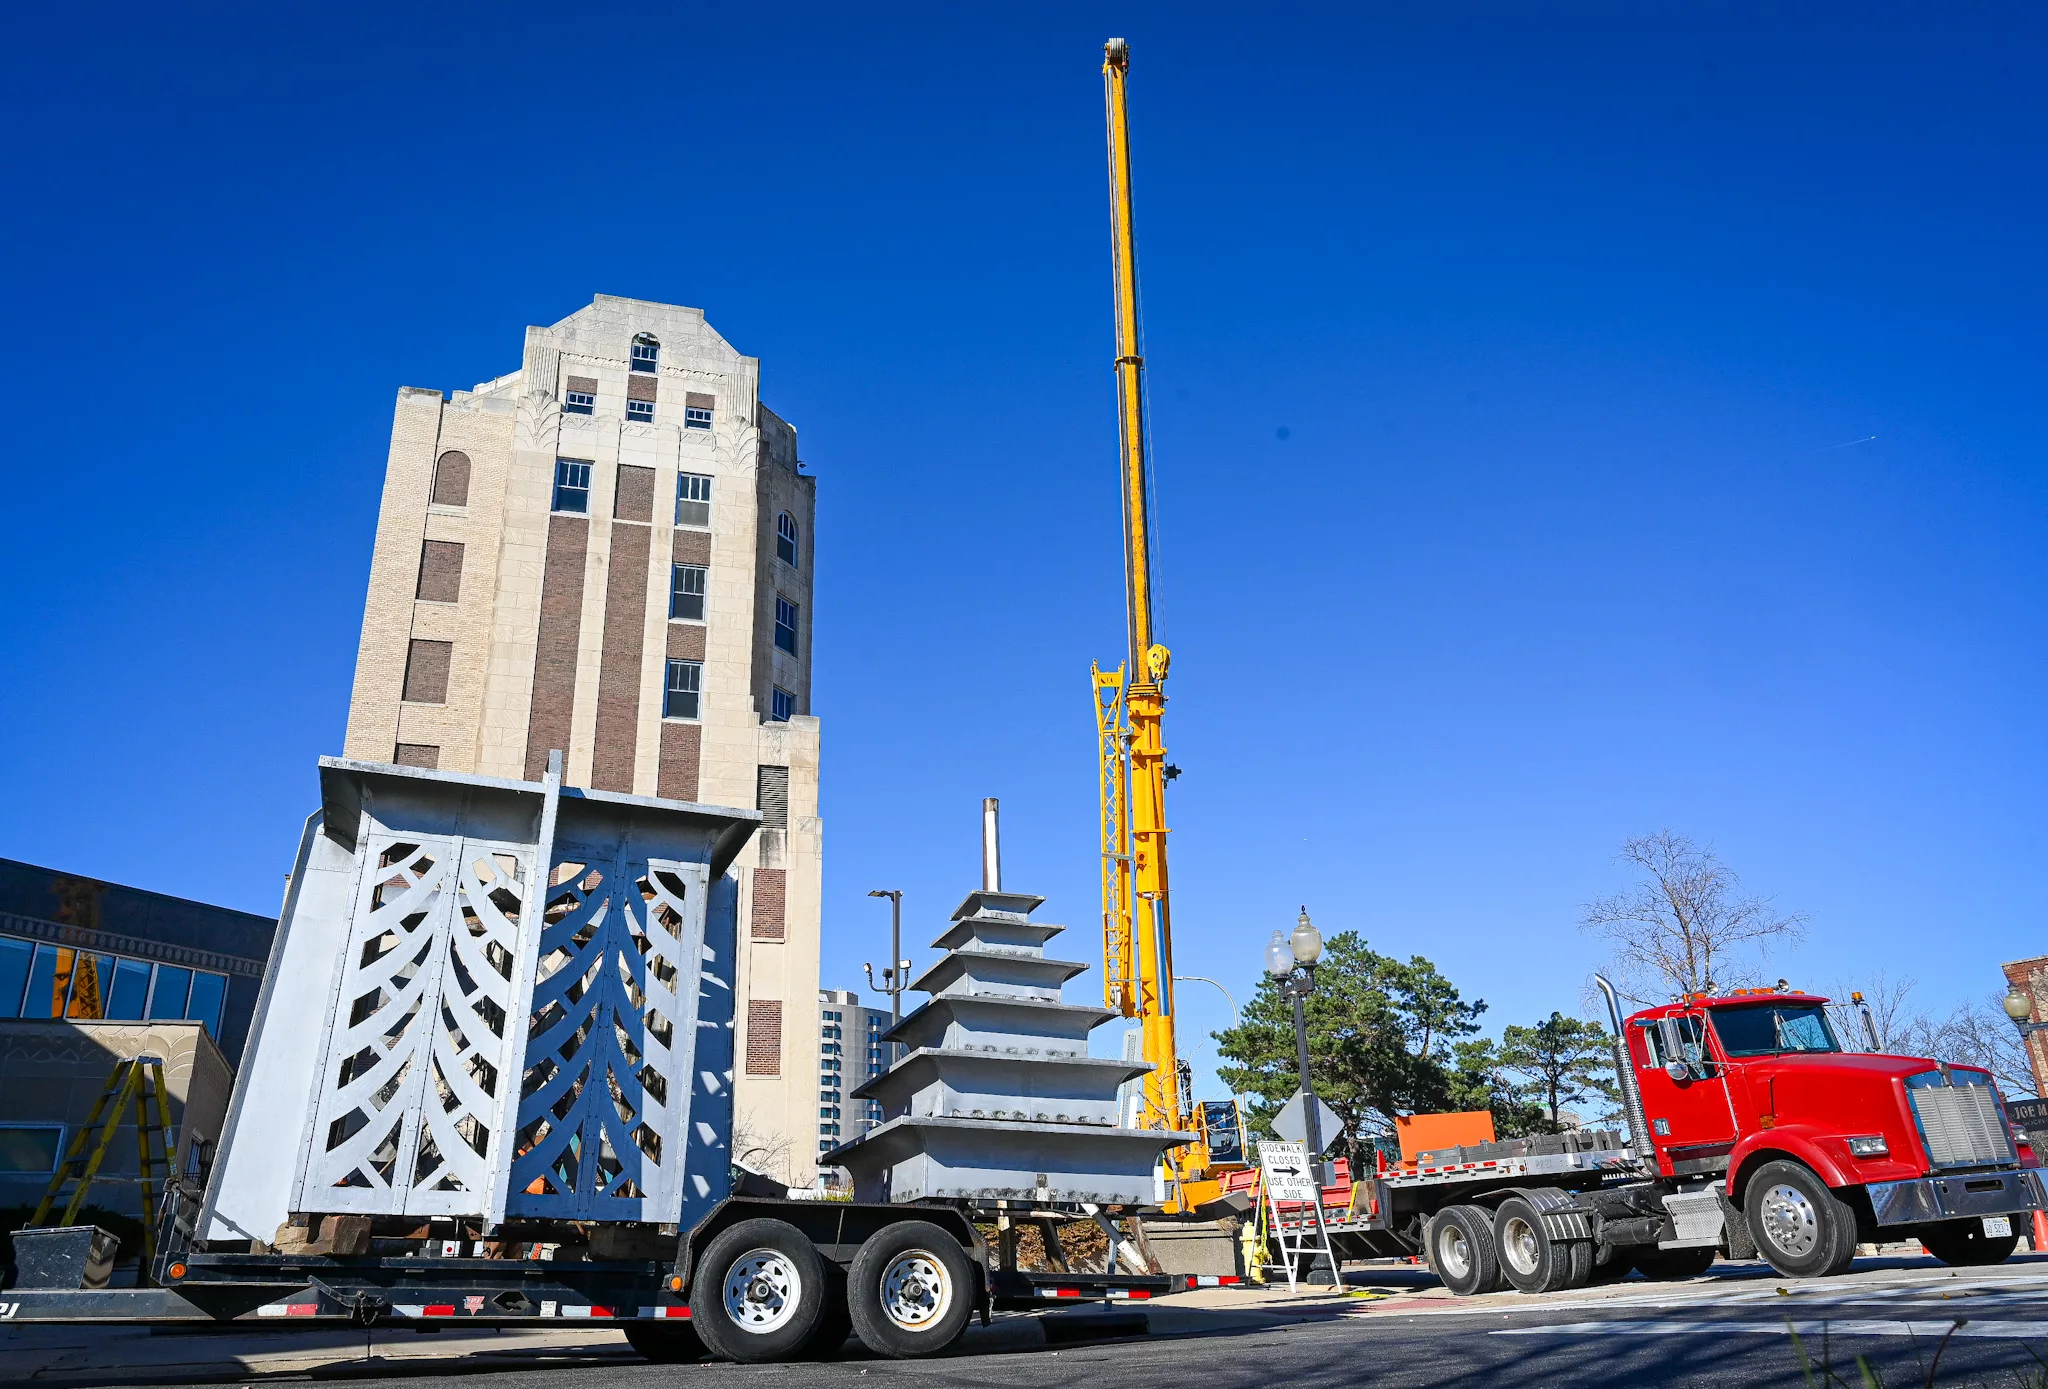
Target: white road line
(1933, 1330)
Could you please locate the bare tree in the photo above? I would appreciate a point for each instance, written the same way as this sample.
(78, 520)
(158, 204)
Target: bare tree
(1901, 1030)
(1980, 1033)
(1684, 927)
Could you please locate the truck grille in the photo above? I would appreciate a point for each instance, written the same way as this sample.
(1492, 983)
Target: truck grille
(1962, 1125)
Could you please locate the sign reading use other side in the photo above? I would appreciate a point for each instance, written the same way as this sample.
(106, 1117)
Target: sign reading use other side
(1286, 1168)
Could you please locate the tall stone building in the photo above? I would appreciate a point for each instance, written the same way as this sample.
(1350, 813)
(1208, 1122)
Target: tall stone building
(608, 551)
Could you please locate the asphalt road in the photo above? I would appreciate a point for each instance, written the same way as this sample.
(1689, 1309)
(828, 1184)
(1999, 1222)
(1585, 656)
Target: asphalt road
(1726, 1329)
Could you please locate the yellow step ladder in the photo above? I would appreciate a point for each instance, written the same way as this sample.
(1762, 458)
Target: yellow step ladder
(138, 1083)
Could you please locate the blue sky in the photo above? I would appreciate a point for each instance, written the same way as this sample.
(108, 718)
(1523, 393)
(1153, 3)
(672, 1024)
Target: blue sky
(1568, 425)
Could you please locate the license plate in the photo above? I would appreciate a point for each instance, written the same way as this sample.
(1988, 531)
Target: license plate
(1997, 1226)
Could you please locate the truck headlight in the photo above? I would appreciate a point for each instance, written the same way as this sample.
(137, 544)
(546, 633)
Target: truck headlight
(1868, 1147)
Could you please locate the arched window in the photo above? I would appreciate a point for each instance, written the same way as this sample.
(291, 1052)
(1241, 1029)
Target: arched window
(451, 478)
(646, 353)
(785, 539)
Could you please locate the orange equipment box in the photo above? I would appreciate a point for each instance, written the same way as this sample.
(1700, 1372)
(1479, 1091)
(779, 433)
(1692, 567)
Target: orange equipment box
(1422, 1133)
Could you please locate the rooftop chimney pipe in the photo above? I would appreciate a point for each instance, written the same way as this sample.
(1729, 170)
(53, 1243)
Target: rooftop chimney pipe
(991, 847)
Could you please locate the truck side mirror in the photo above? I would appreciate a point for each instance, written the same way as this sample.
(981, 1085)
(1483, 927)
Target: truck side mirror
(1679, 1071)
(1677, 1067)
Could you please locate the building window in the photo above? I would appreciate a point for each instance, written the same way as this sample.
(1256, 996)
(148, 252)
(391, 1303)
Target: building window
(693, 500)
(572, 486)
(56, 981)
(579, 403)
(646, 353)
(785, 539)
(641, 410)
(781, 704)
(696, 417)
(685, 683)
(29, 1150)
(785, 625)
(686, 591)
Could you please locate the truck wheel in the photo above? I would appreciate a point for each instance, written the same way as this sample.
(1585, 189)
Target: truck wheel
(1663, 1264)
(1802, 1229)
(1529, 1258)
(665, 1342)
(1461, 1251)
(910, 1290)
(758, 1292)
(1962, 1244)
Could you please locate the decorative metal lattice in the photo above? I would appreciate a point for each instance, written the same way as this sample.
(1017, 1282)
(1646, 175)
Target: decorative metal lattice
(413, 1092)
(610, 1041)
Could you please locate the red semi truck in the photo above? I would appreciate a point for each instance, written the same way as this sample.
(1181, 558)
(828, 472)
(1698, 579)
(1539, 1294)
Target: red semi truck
(1757, 1133)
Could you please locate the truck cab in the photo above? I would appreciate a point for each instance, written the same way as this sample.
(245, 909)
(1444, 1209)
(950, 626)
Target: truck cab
(1815, 1147)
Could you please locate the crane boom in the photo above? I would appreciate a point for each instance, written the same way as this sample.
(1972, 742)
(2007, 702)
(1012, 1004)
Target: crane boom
(1137, 910)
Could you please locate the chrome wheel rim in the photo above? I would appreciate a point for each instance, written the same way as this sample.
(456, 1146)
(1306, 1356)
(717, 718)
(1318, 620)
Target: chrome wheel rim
(1790, 1221)
(1454, 1252)
(916, 1292)
(1518, 1245)
(762, 1290)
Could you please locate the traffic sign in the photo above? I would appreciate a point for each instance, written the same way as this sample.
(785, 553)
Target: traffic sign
(1291, 1122)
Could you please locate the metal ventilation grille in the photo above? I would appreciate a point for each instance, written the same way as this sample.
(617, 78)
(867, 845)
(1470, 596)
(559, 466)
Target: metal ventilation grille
(1962, 1125)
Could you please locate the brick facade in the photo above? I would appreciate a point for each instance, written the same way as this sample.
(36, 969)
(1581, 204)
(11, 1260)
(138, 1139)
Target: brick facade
(764, 1036)
(554, 657)
(771, 895)
(440, 571)
(618, 672)
(451, 479)
(426, 671)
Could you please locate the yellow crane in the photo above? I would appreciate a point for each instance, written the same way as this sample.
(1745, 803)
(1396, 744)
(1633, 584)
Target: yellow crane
(1130, 701)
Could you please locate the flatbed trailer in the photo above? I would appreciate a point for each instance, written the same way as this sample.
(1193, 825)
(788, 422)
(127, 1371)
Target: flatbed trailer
(758, 1279)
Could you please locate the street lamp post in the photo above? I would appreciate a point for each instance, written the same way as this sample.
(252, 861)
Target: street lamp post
(2020, 1009)
(896, 971)
(1291, 961)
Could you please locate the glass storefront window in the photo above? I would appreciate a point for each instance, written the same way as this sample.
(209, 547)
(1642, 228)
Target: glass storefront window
(59, 981)
(14, 961)
(209, 991)
(167, 1000)
(130, 992)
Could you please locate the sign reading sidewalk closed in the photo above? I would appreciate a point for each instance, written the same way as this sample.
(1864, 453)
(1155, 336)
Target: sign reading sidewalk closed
(1286, 1168)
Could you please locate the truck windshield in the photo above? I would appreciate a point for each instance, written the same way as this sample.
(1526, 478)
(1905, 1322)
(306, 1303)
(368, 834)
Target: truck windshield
(1769, 1030)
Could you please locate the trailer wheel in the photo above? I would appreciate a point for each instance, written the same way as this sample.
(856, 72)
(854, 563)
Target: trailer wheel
(1529, 1258)
(1461, 1251)
(665, 1342)
(1802, 1229)
(910, 1290)
(758, 1293)
(1962, 1244)
(1664, 1264)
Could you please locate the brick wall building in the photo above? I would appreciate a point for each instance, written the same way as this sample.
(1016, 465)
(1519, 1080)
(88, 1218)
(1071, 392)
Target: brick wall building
(608, 551)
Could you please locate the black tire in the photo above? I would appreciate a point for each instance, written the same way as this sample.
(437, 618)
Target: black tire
(1620, 1261)
(1802, 1229)
(910, 1290)
(1461, 1251)
(1664, 1264)
(665, 1342)
(758, 1292)
(835, 1320)
(1963, 1244)
(1529, 1258)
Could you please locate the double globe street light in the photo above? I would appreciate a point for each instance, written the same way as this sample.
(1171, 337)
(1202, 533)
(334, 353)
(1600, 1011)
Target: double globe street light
(1291, 961)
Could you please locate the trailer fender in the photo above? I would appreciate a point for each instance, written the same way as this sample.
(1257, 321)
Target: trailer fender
(1797, 1143)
